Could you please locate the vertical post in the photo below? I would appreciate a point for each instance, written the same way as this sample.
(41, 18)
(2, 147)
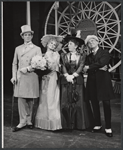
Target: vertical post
(28, 15)
(2, 68)
(56, 17)
(69, 27)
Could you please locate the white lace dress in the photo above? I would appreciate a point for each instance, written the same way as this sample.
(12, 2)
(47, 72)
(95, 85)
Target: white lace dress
(48, 114)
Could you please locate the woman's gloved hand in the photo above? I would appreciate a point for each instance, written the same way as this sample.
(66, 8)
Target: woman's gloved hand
(70, 78)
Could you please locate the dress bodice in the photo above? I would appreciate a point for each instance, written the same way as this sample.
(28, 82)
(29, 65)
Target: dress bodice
(71, 67)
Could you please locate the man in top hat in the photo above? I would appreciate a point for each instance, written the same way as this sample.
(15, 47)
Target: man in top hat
(99, 85)
(26, 84)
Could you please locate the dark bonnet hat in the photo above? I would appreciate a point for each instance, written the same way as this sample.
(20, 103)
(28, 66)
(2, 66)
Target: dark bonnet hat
(74, 36)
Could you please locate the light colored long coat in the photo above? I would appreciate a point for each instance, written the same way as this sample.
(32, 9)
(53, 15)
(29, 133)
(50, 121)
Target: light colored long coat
(28, 83)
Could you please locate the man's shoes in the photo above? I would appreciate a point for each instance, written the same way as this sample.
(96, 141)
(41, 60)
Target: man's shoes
(96, 129)
(109, 132)
(30, 126)
(15, 129)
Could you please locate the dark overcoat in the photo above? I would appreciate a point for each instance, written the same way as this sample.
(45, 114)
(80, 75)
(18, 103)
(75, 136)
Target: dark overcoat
(99, 83)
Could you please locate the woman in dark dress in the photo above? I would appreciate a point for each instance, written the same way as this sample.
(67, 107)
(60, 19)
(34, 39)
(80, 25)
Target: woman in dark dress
(74, 112)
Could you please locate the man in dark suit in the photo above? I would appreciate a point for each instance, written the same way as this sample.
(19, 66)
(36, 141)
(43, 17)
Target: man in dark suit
(99, 85)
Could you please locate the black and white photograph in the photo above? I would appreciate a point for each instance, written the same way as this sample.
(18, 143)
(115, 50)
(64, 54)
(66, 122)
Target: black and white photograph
(61, 74)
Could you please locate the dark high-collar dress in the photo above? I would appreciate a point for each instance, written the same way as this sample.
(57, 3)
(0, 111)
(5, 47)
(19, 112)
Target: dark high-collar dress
(74, 112)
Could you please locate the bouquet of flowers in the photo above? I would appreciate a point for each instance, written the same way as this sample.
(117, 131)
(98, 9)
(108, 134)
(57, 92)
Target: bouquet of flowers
(39, 62)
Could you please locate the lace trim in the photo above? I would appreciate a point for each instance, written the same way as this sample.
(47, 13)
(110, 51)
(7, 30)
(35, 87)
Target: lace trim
(48, 124)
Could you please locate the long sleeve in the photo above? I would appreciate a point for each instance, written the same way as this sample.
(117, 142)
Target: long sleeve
(57, 63)
(15, 64)
(39, 52)
(62, 62)
(53, 61)
(82, 61)
(100, 62)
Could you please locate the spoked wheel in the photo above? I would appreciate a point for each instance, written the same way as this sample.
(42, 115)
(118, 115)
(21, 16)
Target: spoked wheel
(105, 15)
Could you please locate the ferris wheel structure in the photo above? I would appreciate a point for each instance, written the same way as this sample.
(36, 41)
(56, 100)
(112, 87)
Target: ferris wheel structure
(100, 18)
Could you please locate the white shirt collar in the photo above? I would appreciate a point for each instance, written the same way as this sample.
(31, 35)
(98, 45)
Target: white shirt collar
(28, 43)
(94, 51)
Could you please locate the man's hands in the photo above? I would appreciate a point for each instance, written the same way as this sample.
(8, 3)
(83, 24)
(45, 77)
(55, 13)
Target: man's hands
(13, 80)
(85, 68)
(26, 69)
(105, 68)
(23, 70)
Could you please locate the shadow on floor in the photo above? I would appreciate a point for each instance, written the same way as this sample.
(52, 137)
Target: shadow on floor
(38, 138)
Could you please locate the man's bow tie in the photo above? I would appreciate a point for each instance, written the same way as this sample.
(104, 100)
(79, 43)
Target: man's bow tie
(28, 45)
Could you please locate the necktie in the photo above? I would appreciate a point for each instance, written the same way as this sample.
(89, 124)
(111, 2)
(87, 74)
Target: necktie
(70, 57)
(73, 56)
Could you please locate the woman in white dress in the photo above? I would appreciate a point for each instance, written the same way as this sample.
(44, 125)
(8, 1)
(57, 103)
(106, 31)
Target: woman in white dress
(48, 113)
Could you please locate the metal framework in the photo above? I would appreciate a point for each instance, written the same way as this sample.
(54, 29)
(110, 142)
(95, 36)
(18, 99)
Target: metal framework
(105, 15)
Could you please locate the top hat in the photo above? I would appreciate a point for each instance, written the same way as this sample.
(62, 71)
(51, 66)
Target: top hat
(91, 37)
(76, 35)
(26, 28)
(46, 38)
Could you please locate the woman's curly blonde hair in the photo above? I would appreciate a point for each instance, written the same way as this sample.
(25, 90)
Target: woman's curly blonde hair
(46, 38)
